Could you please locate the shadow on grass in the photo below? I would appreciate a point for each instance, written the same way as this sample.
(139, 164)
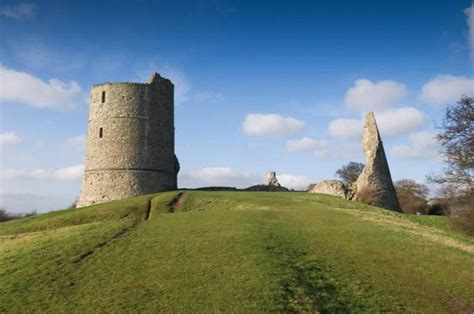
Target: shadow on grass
(306, 285)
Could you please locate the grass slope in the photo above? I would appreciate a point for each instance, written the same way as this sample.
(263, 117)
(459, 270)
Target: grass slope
(234, 251)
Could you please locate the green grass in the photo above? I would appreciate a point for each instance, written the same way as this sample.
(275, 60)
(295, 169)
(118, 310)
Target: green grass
(234, 252)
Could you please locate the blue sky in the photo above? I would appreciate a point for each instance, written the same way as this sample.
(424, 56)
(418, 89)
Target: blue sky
(260, 85)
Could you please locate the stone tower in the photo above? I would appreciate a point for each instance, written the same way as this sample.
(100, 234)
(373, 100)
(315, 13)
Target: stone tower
(376, 174)
(272, 179)
(130, 141)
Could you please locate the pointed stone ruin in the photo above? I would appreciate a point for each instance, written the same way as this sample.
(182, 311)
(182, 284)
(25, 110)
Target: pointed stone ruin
(375, 178)
(272, 179)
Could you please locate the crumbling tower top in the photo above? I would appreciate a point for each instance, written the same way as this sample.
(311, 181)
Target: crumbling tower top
(272, 179)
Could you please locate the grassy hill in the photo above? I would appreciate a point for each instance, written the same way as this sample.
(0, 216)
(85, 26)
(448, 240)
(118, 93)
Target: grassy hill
(234, 251)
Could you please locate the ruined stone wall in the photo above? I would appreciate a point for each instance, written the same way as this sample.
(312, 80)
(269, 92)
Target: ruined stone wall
(331, 187)
(130, 141)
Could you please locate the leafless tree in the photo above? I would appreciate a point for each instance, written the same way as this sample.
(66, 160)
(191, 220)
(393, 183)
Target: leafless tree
(350, 172)
(457, 146)
(412, 196)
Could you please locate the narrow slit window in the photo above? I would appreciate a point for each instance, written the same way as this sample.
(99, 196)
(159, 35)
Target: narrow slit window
(101, 132)
(103, 96)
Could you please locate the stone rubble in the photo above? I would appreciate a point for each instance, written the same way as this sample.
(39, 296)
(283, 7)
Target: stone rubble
(331, 187)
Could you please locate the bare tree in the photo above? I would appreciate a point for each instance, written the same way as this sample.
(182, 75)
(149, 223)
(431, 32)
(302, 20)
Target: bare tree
(457, 146)
(350, 172)
(412, 196)
(73, 204)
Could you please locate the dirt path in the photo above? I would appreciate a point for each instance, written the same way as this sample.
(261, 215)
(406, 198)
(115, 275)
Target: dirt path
(176, 205)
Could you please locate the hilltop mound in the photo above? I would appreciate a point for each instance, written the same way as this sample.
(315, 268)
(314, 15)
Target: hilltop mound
(198, 251)
(266, 188)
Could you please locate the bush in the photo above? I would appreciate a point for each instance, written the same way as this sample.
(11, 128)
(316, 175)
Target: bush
(412, 196)
(438, 206)
(458, 205)
(368, 195)
(412, 204)
(6, 216)
(462, 212)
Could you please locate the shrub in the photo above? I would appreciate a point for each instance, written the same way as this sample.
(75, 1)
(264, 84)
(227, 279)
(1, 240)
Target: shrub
(462, 212)
(412, 196)
(368, 195)
(6, 216)
(438, 207)
(458, 205)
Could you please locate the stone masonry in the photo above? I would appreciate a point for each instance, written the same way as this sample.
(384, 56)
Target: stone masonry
(130, 141)
(272, 179)
(376, 174)
(331, 187)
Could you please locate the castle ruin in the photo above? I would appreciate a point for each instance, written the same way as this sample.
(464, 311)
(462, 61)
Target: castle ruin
(375, 176)
(375, 179)
(272, 179)
(130, 141)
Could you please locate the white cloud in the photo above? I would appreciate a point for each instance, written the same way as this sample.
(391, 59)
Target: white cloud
(271, 124)
(305, 144)
(25, 88)
(470, 23)
(372, 96)
(76, 141)
(341, 151)
(391, 122)
(346, 129)
(444, 89)
(217, 176)
(18, 11)
(400, 121)
(422, 145)
(68, 173)
(10, 138)
(293, 181)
